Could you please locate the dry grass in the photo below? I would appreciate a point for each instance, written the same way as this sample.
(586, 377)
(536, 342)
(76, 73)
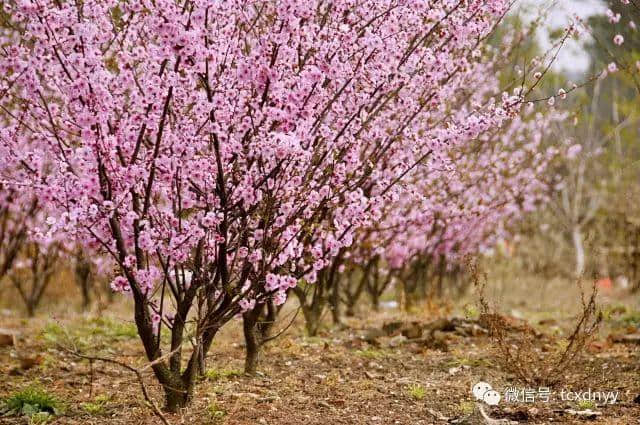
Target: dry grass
(536, 359)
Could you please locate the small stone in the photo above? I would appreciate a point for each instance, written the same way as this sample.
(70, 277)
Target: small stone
(371, 375)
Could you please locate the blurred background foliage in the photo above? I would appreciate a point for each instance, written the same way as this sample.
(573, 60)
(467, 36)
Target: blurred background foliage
(590, 226)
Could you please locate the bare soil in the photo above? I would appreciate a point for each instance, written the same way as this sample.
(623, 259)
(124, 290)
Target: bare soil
(346, 375)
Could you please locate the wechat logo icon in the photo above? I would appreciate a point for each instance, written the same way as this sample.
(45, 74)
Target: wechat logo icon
(483, 391)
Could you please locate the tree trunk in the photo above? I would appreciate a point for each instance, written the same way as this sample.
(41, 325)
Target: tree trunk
(350, 311)
(375, 300)
(312, 311)
(177, 396)
(335, 303)
(83, 279)
(257, 325)
(86, 297)
(408, 303)
(31, 308)
(312, 322)
(578, 246)
(442, 269)
(252, 340)
(252, 358)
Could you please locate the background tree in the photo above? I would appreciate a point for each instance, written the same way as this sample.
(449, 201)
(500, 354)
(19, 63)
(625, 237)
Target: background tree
(589, 221)
(32, 274)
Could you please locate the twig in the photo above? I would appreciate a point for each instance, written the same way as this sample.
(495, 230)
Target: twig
(91, 359)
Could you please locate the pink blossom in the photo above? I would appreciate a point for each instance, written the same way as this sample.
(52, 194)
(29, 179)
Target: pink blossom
(562, 93)
(280, 297)
(247, 305)
(272, 282)
(156, 321)
(573, 151)
(120, 284)
(614, 18)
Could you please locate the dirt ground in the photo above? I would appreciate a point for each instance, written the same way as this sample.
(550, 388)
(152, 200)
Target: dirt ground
(350, 375)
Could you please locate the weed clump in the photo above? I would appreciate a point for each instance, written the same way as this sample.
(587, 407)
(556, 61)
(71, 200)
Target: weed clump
(33, 402)
(96, 407)
(218, 374)
(517, 343)
(416, 391)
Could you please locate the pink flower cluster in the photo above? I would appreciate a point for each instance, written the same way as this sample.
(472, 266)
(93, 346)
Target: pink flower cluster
(245, 144)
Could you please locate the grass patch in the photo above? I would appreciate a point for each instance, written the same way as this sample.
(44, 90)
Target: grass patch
(371, 353)
(471, 312)
(215, 412)
(40, 418)
(33, 401)
(466, 407)
(94, 409)
(416, 391)
(92, 333)
(631, 318)
(218, 374)
(621, 316)
(53, 333)
(112, 329)
(97, 407)
(586, 404)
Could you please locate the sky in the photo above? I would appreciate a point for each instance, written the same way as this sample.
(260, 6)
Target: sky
(572, 58)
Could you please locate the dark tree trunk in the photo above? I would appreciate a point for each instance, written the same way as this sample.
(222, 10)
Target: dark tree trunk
(32, 289)
(377, 285)
(313, 323)
(333, 285)
(83, 279)
(335, 302)
(408, 302)
(176, 399)
(442, 269)
(312, 309)
(375, 301)
(257, 325)
(325, 291)
(354, 292)
(252, 339)
(86, 298)
(178, 388)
